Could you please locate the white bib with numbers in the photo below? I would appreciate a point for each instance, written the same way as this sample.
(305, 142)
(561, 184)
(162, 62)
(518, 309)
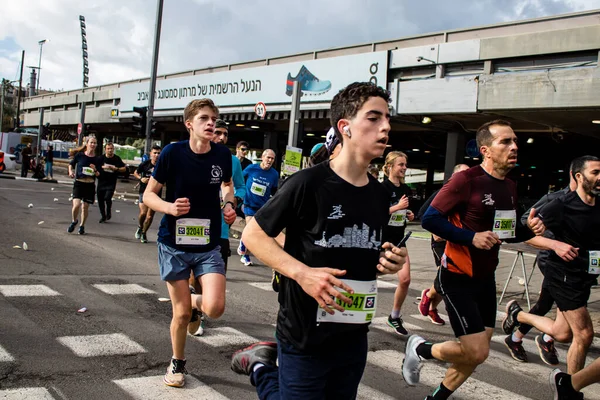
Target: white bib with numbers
(594, 267)
(505, 223)
(88, 171)
(192, 231)
(398, 218)
(362, 309)
(258, 189)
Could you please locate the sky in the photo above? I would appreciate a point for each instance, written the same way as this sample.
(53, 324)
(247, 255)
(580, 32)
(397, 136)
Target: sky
(203, 33)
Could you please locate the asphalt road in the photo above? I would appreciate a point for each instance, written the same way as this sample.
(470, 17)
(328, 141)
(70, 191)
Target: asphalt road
(119, 348)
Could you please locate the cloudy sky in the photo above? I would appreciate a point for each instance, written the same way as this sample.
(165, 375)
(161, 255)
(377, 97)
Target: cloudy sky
(201, 33)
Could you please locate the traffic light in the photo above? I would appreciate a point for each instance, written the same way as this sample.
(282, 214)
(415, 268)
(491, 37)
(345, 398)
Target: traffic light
(139, 122)
(46, 131)
(154, 128)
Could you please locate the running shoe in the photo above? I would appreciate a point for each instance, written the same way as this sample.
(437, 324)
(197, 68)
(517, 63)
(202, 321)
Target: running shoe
(102, 220)
(510, 321)
(245, 259)
(424, 303)
(138, 233)
(309, 84)
(435, 318)
(175, 373)
(143, 238)
(243, 360)
(560, 389)
(547, 350)
(412, 363)
(275, 281)
(81, 230)
(515, 349)
(71, 227)
(396, 324)
(241, 250)
(108, 215)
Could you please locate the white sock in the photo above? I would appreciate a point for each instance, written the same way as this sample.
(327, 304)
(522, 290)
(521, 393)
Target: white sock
(515, 338)
(547, 338)
(395, 314)
(257, 366)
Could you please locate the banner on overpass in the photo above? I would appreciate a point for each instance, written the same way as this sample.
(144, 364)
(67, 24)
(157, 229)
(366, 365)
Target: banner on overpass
(320, 80)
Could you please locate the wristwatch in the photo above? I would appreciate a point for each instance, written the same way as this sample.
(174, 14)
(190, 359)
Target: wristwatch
(239, 201)
(229, 202)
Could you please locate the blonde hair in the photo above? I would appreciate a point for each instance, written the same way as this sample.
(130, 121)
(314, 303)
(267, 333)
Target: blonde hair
(82, 148)
(195, 106)
(389, 160)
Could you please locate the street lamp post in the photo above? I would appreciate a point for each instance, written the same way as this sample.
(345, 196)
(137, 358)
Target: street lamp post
(41, 43)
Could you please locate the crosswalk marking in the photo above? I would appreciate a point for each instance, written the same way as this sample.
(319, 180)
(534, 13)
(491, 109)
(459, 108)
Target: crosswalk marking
(368, 393)
(262, 286)
(130, 288)
(5, 355)
(225, 336)
(381, 323)
(27, 291)
(101, 345)
(386, 284)
(35, 393)
(432, 374)
(153, 388)
(423, 318)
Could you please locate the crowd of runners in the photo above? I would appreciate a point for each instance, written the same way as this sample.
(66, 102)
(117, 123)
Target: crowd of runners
(330, 230)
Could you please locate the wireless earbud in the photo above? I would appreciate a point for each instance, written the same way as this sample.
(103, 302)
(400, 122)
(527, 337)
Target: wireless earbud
(347, 130)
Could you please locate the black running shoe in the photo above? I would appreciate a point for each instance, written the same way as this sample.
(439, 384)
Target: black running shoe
(396, 324)
(143, 238)
(81, 230)
(102, 220)
(560, 383)
(108, 216)
(262, 352)
(547, 350)
(515, 349)
(510, 321)
(71, 227)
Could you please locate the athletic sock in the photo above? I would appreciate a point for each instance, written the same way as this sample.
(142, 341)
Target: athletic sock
(442, 393)
(515, 338)
(395, 314)
(424, 350)
(565, 382)
(547, 338)
(257, 366)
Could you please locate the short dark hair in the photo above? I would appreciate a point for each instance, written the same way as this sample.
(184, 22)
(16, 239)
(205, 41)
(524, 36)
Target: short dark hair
(349, 100)
(578, 164)
(484, 136)
(219, 123)
(156, 147)
(109, 144)
(242, 144)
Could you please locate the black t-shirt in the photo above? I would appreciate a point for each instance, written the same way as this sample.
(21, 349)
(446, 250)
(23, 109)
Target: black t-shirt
(329, 223)
(83, 163)
(145, 170)
(197, 177)
(395, 233)
(49, 156)
(575, 223)
(108, 178)
(245, 162)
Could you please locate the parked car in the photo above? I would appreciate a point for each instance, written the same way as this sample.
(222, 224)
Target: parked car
(8, 162)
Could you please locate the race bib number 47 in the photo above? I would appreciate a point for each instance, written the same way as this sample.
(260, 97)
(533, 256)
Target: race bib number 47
(363, 307)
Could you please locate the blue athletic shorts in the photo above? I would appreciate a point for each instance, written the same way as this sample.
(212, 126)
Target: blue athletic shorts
(175, 265)
(249, 211)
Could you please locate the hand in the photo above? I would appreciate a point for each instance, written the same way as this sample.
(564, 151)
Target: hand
(319, 284)
(403, 203)
(93, 167)
(566, 251)
(485, 240)
(410, 215)
(229, 214)
(71, 174)
(180, 207)
(535, 223)
(144, 180)
(392, 258)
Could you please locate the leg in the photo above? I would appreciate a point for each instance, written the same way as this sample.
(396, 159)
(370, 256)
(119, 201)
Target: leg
(75, 209)
(142, 216)
(242, 250)
(558, 329)
(301, 376)
(101, 205)
(212, 300)
(583, 333)
(51, 170)
(347, 369)
(147, 220)
(541, 308)
(84, 213)
(179, 293)
(402, 288)
(587, 376)
(108, 195)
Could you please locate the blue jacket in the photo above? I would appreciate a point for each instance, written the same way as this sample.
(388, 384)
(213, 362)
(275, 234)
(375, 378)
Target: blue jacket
(240, 190)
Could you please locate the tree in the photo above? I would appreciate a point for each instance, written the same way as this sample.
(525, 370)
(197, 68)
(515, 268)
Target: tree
(9, 110)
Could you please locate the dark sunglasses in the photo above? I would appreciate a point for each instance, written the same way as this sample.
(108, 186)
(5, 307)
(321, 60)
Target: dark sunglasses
(243, 149)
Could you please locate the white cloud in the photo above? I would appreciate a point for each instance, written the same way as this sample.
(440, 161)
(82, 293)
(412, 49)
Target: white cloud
(200, 33)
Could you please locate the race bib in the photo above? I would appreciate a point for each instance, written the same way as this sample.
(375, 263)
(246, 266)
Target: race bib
(106, 167)
(505, 223)
(192, 231)
(362, 309)
(594, 267)
(258, 189)
(398, 218)
(88, 171)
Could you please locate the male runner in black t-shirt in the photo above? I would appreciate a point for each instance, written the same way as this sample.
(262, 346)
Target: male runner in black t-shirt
(143, 173)
(111, 167)
(574, 219)
(333, 214)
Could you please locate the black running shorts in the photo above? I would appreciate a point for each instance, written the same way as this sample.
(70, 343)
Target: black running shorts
(86, 192)
(470, 303)
(569, 293)
(225, 251)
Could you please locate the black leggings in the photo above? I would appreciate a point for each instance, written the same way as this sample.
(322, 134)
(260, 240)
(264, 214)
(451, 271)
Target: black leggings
(543, 305)
(105, 200)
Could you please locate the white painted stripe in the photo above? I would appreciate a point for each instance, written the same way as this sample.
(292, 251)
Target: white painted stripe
(262, 286)
(368, 393)
(101, 345)
(432, 374)
(500, 315)
(35, 393)
(225, 336)
(27, 291)
(5, 355)
(381, 323)
(422, 318)
(129, 288)
(153, 387)
(386, 284)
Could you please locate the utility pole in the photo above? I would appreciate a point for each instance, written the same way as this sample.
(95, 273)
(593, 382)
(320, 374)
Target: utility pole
(2, 107)
(153, 76)
(294, 115)
(18, 117)
(37, 88)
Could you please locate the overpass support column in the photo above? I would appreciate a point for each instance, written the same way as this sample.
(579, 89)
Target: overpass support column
(455, 152)
(270, 141)
(100, 138)
(163, 139)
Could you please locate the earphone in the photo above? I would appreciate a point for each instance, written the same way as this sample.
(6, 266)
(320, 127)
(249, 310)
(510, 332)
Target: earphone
(347, 130)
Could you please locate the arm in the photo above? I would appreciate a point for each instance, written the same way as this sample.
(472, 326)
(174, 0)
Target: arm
(401, 205)
(71, 166)
(563, 250)
(151, 199)
(239, 184)
(228, 209)
(120, 167)
(438, 224)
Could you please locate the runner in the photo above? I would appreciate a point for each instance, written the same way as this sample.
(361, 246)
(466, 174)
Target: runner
(331, 257)
(261, 184)
(196, 325)
(544, 342)
(574, 219)
(472, 211)
(241, 151)
(568, 387)
(328, 151)
(84, 187)
(430, 298)
(188, 239)
(143, 172)
(394, 170)
(112, 165)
